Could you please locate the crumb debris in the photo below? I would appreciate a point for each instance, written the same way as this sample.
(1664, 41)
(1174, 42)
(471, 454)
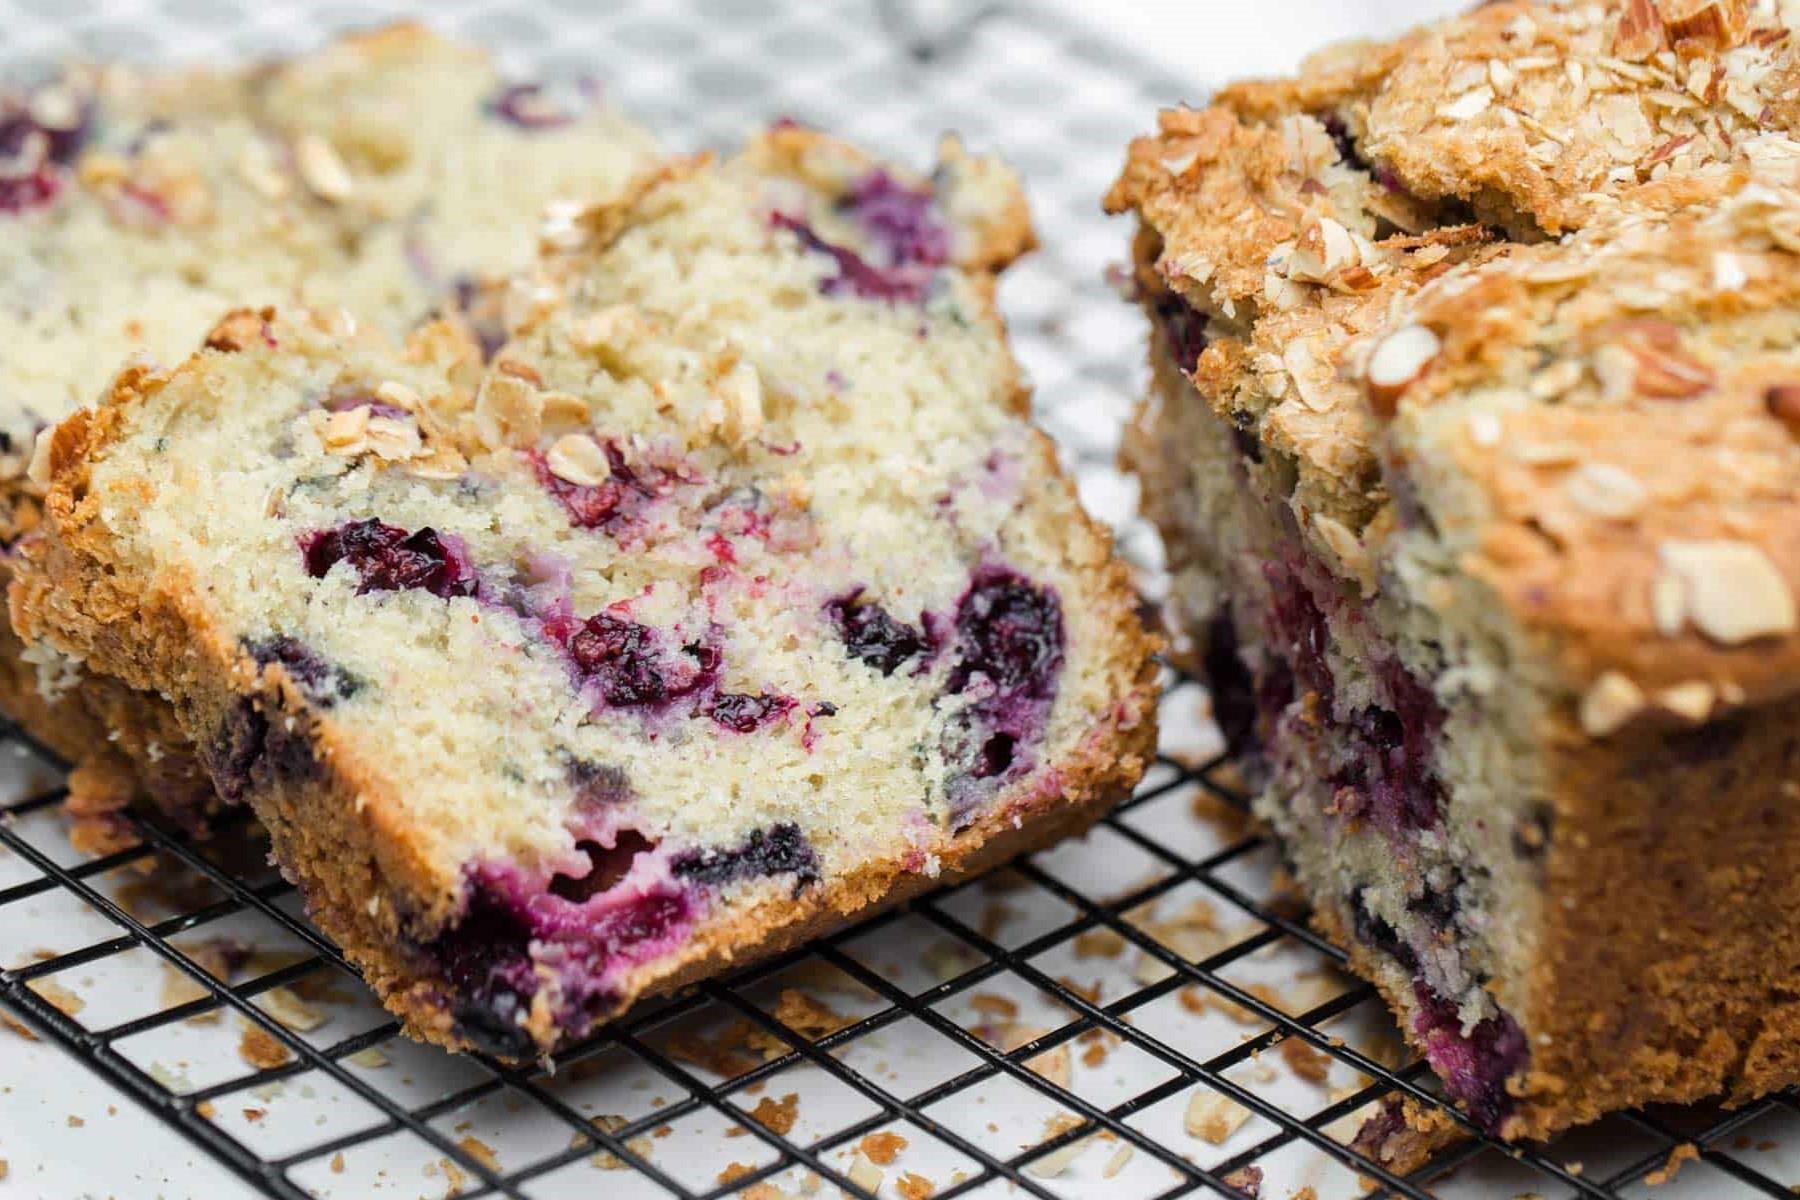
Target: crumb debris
(61, 998)
(882, 1148)
(734, 1172)
(8, 1023)
(1117, 1162)
(914, 1187)
(1213, 1117)
(259, 1048)
(777, 1116)
(1306, 1063)
(865, 1174)
(1099, 943)
(1052, 1064)
(481, 1152)
(371, 1058)
(989, 1004)
(337, 1163)
(1683, 1153)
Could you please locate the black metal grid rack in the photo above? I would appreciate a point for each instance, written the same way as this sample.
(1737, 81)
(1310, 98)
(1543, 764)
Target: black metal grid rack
(474, 1170)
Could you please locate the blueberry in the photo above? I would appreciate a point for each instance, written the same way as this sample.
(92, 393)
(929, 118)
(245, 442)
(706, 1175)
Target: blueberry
(1372, 930)
(248, 751)
(1008, 656)
(387, 558)
(1183, 328)
(1233, 689)
(780, 850)
(1010, 632)
(626, 661)
(1475, 1065)
(323, 682)
(746, 714)
(871, 634)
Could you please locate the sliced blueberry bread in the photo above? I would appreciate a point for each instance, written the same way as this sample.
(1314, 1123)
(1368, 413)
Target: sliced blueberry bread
(392, 172)
(1487, 539)
(734, 598)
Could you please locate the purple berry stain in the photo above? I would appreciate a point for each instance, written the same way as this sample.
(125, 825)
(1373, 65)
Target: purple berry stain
(538, 107)
(387, 558)
(1008, 656)
(614, 505)
(873, 635)
(901, 221)
(1473, 1065)
(518, 928)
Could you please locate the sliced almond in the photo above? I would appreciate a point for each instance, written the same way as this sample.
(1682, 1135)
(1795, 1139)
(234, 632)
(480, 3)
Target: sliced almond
(324, 172)
(1731, 591)
(397, 395)
(508, 412)
(1397, 360)
(1610, 704)
(578, 459)
(1606, 491)
(1213, 1117)
(344, 431)
(1324, 248)
(394, 440)
(1693, 701)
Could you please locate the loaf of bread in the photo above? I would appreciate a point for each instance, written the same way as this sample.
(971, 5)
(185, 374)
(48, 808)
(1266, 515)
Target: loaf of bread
(1472, 438)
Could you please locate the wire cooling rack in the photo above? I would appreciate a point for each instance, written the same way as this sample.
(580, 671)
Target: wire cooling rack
(1137, 1014)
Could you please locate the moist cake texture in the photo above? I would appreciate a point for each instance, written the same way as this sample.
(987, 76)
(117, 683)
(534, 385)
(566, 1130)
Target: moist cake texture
(1472, 439)
(393, 173)
(734, 597)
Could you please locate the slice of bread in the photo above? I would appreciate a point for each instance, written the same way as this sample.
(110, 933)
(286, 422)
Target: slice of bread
(392, 172)
(736, 597)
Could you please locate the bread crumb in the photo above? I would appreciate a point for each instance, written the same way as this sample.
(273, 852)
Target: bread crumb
(1213, 1117)
(76, 1122)
(1685, 1152)
(1052, 1064)
(734, 1172)
(481, 1152)
(914, 1187)
(777, 1116)
(1305, 1062)
(337, 1163)
(60, 997)
(260, 1049)
(454, 1178)
(994, 1006)
(1099, 943)
(882, 1148)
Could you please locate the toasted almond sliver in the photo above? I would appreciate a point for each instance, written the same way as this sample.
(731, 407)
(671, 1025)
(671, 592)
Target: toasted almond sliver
(322, 169)
(578, 459)
(394, 440)
(1610, 704)
(1734, 593)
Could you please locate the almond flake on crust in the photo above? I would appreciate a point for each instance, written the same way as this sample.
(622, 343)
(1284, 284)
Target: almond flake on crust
(1730, 590)
(1397, 360)
(1610, 704)
(1606, 491)
(578, 459)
